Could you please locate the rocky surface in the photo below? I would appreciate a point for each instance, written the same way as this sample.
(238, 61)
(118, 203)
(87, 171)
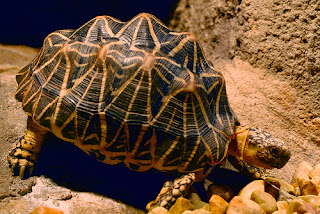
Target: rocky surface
(276, 101)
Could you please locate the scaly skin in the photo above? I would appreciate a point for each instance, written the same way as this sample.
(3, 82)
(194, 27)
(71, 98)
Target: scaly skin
(23, 155)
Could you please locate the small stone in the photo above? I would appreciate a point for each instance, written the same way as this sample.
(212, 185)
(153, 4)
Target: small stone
(46, 210)
(251, 187)
(158, 210)
(280, 212)
(180, 206)
(198, 211)
(217, 204)
(315, 172)
(309, 188)
(307, 208)
(284, 187)
(242, 205)
(294, 206)
(311, 199)
(222, 190)
(266, 201)
(196, 201)
(302, 172)
(282, 205)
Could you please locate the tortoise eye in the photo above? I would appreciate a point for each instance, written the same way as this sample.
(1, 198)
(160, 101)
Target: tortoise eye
(276, 152)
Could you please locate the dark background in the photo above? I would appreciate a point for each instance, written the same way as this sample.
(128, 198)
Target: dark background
(29, 22)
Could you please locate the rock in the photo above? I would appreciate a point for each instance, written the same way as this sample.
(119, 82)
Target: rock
(307, 208)
(266, 201)
(196, 201)
(309, 188)
(198, 211)
(158, 210)
(46, 210)
(222, 190)
(251, 187)
(242, 205)
(180, 206)
(302, 172)
(282, 205)
(217, 204)
(313, 200)
(294, 206)
(315, 172)
(284, 187)
(280, 212)
(273, 188)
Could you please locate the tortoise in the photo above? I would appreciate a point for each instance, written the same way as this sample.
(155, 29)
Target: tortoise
(139, 94)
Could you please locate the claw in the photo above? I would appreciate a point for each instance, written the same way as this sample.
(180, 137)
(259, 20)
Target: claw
(22, 169)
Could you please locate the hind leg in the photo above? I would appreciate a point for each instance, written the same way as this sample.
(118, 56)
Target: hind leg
(24, 154)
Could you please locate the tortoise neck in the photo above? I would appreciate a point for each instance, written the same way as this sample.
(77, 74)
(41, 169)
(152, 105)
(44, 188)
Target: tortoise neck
(238, 143)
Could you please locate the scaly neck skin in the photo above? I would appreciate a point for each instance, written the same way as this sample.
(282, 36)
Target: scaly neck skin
(238, 143)
(241, 148)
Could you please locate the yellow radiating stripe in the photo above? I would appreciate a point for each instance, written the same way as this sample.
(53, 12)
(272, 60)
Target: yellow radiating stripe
(133, 97)
(124, 27)
(185, 116)
(46, 108)
(165, 155)
(175, 50)
(195, 57)
(104, 128)
(103, 86)
(218, 102)
(63, 90)
(161, 75)
(149, 112)
(90, 29)
(135, 34)
(108, 29)
(171, 119)
(154, 36)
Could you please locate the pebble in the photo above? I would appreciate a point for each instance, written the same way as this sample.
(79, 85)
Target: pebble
(312, 199)
(309, 188)
(217, 204)
(46, 210)
(196, 201)
(315, 172)
(181, 205)
(266, 201)
(222, 190)
(242, 205)
(158, 210)
(302, 172)
(282, 205)
(198, 211)
(251, 187)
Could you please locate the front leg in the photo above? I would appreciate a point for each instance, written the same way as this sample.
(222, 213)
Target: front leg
(24, 154)
(172, 190)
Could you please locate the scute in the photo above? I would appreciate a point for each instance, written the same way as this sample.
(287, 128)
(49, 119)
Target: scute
(133, 92)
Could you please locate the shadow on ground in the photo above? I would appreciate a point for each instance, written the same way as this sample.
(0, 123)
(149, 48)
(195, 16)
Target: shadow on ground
(68, 166)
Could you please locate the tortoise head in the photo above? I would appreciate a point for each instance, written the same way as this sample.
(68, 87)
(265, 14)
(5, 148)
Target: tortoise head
(259, 148)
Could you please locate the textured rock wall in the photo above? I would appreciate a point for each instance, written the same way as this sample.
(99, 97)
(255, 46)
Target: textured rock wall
(279, 35)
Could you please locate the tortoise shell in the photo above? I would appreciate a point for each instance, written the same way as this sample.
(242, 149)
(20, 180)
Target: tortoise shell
(133, 92)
